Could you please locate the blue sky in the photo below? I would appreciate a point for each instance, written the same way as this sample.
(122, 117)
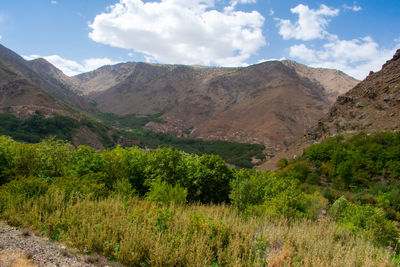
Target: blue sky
(81, 35)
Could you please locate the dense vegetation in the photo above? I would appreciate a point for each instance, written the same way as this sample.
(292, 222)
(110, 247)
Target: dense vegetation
(131, 126)
(238, 154)
(167, 207)
(131, 121)
(35, 128)
(365, 169)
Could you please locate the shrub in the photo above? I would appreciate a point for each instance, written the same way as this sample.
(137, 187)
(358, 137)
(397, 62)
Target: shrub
(208, 179)
(248, 188)
(282, 163)
(123, 188)
(164, 193)
(298, 170)
(315, 203)
(365, 219)
(284, 197)
(26, 187)
(88, 186)
(6, 158)
(86, 160)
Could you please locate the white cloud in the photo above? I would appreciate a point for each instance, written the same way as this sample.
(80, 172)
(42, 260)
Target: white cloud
(354, 8)
(70, 67)
(270, 59)
(355, 57)
(310, 25)
(1, 37)
(271, 12)
(181, 31)
(235, 2)
(53, 2)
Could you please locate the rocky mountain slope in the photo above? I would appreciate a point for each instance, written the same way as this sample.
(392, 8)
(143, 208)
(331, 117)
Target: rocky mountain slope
(371, 106)
(270, 103)
(60, 85)
(333, 81)
(22, 91)
(25, 90)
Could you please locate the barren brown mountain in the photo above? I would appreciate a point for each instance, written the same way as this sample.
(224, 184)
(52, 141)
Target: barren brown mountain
(270, 103)
(22, 90)
(371, 106)
(334, 82)
(60, 85)
(25, 90)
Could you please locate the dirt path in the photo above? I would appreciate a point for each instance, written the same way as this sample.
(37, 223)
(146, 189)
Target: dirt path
(22, 248)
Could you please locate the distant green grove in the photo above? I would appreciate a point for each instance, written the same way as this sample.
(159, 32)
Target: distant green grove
(36, 127)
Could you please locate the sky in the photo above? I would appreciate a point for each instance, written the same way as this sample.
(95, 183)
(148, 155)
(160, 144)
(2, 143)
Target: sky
(81, 35)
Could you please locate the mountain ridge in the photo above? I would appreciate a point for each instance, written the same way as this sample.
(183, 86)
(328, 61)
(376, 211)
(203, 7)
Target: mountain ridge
(270, 103)
(202, 102)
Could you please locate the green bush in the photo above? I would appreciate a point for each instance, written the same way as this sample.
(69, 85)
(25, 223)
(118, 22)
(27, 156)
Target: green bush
(88, 186)
(284, 197)
(25, 187)
(164, 193)
(6, 158)
(365, 219)
(315, 203)
(208, 179)
(248, 188)
(282, 163)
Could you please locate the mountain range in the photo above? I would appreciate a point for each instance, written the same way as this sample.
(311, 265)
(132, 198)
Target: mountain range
(271, 103)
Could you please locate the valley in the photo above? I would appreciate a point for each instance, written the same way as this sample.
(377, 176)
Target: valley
(113, 154)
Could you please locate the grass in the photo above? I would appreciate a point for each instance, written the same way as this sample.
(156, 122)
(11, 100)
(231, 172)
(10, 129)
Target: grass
(137, 232)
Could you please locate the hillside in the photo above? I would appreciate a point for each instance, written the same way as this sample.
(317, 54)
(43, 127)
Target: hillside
(333, 81)
(23, 91)
(372, 105)
(61, 86)
(269, 103)
(42, 106)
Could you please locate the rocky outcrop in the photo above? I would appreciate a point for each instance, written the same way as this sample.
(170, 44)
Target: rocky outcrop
(373, 105)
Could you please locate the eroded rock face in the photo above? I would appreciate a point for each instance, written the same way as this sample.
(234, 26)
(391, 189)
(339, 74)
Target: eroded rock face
(373, 105)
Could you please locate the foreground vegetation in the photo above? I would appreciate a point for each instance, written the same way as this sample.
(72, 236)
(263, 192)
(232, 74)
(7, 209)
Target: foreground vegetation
(167, 207)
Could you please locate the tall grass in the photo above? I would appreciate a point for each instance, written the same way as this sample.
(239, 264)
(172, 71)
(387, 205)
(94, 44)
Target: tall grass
(140, 233)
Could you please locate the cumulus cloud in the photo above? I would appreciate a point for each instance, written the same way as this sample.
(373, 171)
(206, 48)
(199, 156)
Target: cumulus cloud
(311, 23)
(355, 57)
(71, 67)
(181, 31)
(53, 2)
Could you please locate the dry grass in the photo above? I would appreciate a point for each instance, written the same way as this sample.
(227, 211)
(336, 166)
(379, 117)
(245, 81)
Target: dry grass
(137, 232)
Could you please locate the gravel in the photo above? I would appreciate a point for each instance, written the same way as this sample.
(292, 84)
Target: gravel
(21, 247)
